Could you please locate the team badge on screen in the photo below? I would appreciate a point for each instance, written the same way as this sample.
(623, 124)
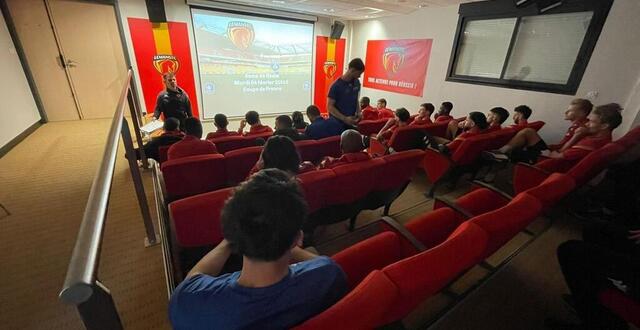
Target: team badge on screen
(165, 63)
(392, 59)
(241, 34)
(329, 68)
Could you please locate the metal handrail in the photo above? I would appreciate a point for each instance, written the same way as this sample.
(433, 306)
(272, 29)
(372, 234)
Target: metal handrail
(81, 286)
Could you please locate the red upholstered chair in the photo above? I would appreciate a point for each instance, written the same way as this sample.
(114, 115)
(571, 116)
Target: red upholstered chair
(527, 176)
(433, 228)
(552, 189)
(196, 219)
(239, 163)
(630, 139)
(228, 143)
(537, 125)
(193, 175)
(353, 181)
(330, 146)
(504, 223)
(315, 185)
(362, 308)
(621, 304)
(398, 169)
(309, 150)
(475, 202)
(376, 252)
(595, 162)
(162, 153)
(424, 274)
(368, 127)
(500, 138)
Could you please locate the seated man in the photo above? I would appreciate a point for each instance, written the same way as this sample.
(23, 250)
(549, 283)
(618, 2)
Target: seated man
(527, 145)
(284, 126)
(495, 118)
(424, 114)
(253, 119)
(383, 111)
(192, 144)
(221, 123)
(521, 115)
(170, 135)
(368, 112)
(280, 284)
(280, 152)
(320, 127)
(298, 120)
(401, 119)
(444, 111)
(352, 144)
(474, 124)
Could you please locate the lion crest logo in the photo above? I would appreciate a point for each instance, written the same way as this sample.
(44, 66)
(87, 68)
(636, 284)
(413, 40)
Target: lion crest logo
(165, 63)
(330, 68)
(392, 59)
(241, 34)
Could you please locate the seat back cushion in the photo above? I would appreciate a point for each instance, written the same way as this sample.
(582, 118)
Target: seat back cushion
(193, 175)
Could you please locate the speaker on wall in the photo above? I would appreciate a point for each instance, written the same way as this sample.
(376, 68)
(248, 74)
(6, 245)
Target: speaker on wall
(336, 30)
(155, 8)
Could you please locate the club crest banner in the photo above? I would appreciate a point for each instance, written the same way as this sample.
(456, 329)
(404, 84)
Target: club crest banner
(164, 47)
(329, 66)
(398, 66)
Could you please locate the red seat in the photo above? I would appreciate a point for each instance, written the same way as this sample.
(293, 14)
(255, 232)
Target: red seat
(433, 228)
(196, 219)
(376, 252)
(309, 150)
(500, 138)
(552, 189)
(398, 169)
(330, 146)
(630, 139)
(621, 304)
(315, 185)
(362, 308)
(526, 176)
(193, 175)
(162, 153)
(353, 181)
(424, 274)
(368, 127)
(228, 143)
(477, 201)
(536, 125)
(239, 163)
(595, 162)
(504, 223)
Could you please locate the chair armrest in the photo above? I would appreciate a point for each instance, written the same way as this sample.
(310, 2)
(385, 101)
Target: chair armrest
(452, 205)
(402, 230)
(492, 188)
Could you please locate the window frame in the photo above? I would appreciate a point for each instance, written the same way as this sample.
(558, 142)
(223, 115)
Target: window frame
(507, 9)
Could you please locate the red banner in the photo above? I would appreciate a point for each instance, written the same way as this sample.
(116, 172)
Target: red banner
(162, 47)
(329, 67)
(397, 65)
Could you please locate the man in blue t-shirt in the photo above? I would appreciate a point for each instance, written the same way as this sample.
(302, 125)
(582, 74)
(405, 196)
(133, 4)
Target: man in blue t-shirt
(320, 127)
(280, 285)
(343, 103)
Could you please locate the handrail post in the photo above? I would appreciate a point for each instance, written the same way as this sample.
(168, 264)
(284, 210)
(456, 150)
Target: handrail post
(151, 238)
(136, 127)
(99, 311)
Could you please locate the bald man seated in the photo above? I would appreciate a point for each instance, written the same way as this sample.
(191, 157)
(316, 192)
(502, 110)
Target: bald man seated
(352, 144)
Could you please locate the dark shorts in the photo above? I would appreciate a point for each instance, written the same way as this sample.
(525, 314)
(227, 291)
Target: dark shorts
(530, 154)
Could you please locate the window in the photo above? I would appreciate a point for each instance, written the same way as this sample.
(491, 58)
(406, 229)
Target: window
(522, 49)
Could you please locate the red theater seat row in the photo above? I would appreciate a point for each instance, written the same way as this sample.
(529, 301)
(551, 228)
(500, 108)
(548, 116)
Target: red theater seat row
(407, 137)
(193, 175)
(233, 142)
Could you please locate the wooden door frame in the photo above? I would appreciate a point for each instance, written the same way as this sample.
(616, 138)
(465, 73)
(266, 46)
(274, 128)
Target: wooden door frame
(25, 66)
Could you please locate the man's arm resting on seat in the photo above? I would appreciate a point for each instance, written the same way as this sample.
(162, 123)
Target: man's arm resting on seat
(212, 263)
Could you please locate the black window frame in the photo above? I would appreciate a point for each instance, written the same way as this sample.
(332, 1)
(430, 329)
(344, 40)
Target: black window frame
(497, 9)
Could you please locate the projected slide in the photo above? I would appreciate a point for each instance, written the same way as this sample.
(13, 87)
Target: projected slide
(252, 63)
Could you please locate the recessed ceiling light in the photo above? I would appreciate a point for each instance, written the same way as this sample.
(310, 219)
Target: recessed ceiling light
(331, 10)
(278, 1)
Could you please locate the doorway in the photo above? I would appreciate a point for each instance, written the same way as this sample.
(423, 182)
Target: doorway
(75, 53)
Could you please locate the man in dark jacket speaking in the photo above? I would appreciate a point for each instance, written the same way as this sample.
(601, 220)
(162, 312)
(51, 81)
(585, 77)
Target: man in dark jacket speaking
(173, 101)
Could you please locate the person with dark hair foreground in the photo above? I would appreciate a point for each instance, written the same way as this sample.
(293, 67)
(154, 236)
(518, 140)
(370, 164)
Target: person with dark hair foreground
(170, 135)
(280, 152)
(424, 114)
(192, 144)
(284, 126)
(496, 117)
(607, 258)
(298, 120)
(368, 112)
(521, 115)
(351, 143)
(342, 102)
(320, 127)
(444, 112)
(221, 122)
(527, 145)
(280, 284)
(253, 119)
(401, 119)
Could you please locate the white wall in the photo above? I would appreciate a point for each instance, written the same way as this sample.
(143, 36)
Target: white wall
(178, 11)
(18, 108)
(613, 71)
